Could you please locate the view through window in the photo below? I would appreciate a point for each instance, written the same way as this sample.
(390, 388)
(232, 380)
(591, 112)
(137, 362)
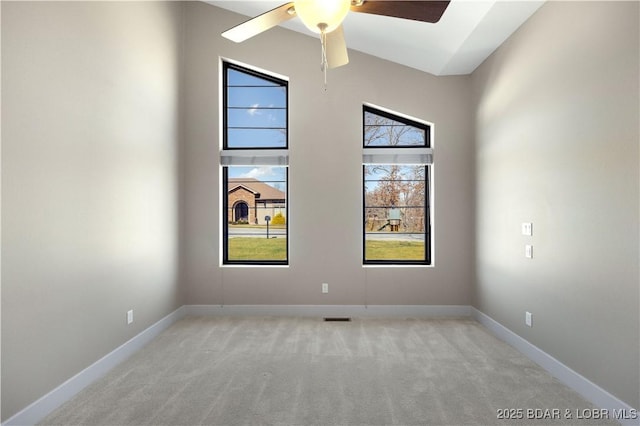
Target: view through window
(396, 189)
(254, 167)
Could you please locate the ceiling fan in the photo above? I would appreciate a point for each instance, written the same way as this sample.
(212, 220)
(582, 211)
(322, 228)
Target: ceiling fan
(325, 17)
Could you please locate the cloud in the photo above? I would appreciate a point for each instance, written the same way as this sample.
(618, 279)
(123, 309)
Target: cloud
(258, 172)
(254, 110)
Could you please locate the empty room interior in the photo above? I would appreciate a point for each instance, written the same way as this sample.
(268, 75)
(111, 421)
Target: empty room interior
(460, 197)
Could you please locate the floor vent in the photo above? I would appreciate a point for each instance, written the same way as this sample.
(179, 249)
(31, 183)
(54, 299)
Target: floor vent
(335, 319)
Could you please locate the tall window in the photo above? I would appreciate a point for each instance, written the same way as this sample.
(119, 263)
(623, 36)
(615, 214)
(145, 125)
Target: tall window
(396, 174)
(254, 160)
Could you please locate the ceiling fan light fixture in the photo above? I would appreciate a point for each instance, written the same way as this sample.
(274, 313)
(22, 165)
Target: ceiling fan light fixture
(322, 16)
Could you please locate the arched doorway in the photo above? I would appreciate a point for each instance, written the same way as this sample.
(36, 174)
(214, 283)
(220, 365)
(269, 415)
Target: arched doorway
(241, 212)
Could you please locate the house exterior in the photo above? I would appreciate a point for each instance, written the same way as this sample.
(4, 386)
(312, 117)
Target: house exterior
(250, 201)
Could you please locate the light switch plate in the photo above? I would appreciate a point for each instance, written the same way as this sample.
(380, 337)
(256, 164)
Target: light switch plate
(528, 251)
(527, 228)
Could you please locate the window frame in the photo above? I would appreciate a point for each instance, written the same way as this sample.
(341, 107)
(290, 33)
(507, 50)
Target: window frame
(226, 66)
(395, 117)
(403, 155)
(276, 156)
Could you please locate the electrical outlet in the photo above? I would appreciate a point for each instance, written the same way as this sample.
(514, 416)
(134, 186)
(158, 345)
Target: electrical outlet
(130, 316)
(528, 319)
(325, 287)
(528, 251)
(527, 229)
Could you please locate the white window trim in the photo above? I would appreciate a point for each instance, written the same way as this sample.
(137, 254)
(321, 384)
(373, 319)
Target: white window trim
(254, 157)
(422, 156)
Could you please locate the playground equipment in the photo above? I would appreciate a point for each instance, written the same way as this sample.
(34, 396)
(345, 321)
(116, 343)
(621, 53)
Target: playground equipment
(393, 220)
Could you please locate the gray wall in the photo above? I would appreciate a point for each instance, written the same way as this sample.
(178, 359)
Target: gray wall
(90, 127)
(325, 174)
(557, 145)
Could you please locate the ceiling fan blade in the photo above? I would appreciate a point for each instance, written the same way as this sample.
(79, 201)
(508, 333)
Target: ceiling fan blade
(260, 23)
(425, 11)
(336, 48)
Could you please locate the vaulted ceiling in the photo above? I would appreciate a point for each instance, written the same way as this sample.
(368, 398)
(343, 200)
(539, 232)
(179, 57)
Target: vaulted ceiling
(468, 32)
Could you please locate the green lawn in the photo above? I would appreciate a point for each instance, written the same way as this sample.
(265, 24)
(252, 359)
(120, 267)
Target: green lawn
(394, 250)
(244, 248)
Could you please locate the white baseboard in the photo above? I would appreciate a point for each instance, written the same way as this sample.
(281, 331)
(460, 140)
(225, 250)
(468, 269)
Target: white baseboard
(589, 390)
(39, 409)
(320, 311)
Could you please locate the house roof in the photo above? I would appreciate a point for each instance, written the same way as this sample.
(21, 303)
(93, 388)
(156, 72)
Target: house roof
(263, 190)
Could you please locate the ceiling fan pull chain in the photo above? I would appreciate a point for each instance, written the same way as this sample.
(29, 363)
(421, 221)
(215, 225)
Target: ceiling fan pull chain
(323, 60)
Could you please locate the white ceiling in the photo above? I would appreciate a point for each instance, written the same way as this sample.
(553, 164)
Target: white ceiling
(468, 32)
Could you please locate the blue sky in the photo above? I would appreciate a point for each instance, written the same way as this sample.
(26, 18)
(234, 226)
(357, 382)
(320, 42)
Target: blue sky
(256, 114)
(277, 173)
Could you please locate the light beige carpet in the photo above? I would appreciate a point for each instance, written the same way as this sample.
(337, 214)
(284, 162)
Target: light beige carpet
(302, 371)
